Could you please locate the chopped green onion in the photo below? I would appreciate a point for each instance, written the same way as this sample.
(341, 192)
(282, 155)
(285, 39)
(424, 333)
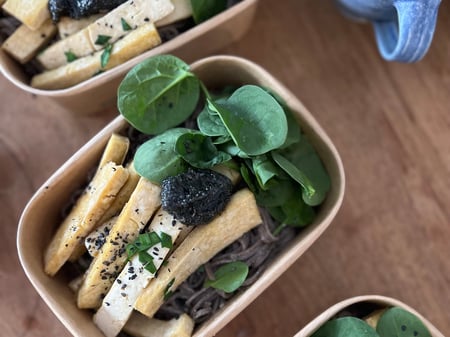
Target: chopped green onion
(102, 40)
(150, 266)
(104, 58)
(167, 291)
(125, 25)
(70, 56)
(166, 240)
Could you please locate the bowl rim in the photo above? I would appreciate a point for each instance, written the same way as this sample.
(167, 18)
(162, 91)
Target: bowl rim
(278, 265)
(331, 311)
(119, 70)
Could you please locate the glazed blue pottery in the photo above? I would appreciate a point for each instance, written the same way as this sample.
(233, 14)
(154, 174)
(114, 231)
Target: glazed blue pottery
(403, 28)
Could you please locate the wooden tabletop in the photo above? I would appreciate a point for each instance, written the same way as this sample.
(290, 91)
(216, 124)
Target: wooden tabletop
(390, 123)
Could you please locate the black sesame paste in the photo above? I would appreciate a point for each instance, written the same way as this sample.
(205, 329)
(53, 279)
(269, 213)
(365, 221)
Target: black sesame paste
(195, 197)
(80, 8)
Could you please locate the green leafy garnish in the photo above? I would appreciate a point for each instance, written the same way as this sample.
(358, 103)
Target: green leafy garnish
(254, 119)
(102, 40)
(397, 322)
(158, 94)
(249, 125)
(70, 56)
(106, 55)
(166, 240)
(199, 151)
(345, 327)
(202, 10)
(125, 25)
(167, 291)
(156, 159)
(229, 277)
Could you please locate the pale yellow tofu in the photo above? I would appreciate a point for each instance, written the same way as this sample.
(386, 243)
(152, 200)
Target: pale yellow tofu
(117, 306)
(142, 326)
(112, 257)
(135, 13)
(116, 149)
(83, 217)
(124, 194)
(25, 43)
(135, 43)
(78, 44)
(68, 26)
(373, 318)
(32, 13)
(83, 43)
(183, 10)
(240, 215)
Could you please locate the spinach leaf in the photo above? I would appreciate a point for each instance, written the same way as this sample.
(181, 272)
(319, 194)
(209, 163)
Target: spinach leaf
(345, 327)
(278, 192)
(209, 122)
(303, 164)
(256, 122)
(199, 151)
(397, 322)
(229, 277)
(202, 10)
(294, 211)
(156, 159)
(158, 94)
(264, 169)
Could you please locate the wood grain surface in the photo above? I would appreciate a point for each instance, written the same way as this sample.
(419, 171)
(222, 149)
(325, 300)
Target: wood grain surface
(390, 122)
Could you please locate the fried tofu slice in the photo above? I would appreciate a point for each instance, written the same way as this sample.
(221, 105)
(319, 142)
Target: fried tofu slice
(240, 215)
(106, 29)
(97, 238)
(33, 13)
(183, 10)
(83, 217)
(141, 326)
(124, 194)
(107, 265)
(133, 44)
(118, 304)
(25, 43)
(116, 150)
(68, 26)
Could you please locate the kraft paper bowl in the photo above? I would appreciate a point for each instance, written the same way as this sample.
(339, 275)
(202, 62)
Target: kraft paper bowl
(99, 92)
(380, 301)
(42, 214)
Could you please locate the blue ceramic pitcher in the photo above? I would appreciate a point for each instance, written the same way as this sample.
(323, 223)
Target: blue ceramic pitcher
(403, 28)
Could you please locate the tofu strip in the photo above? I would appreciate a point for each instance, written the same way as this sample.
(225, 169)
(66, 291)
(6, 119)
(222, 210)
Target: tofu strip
(240, 215)
(141, 326)
(25, 43)
(134, 12)
(115, 151)
(83, 217)
(135, 43)
(107, 265)
(118, 304)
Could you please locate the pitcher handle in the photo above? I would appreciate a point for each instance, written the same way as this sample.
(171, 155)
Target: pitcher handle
(407, 38)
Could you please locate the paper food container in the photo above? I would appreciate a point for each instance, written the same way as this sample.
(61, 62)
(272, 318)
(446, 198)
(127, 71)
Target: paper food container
(379, 301)
(42, 214)
(99, 92)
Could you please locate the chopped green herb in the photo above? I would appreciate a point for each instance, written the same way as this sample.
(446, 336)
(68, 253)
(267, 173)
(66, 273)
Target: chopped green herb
(167, 291)
(150, 266)
(125, 25)
(166, 240)
(70, 56)
(104, 58)
(102, 40)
